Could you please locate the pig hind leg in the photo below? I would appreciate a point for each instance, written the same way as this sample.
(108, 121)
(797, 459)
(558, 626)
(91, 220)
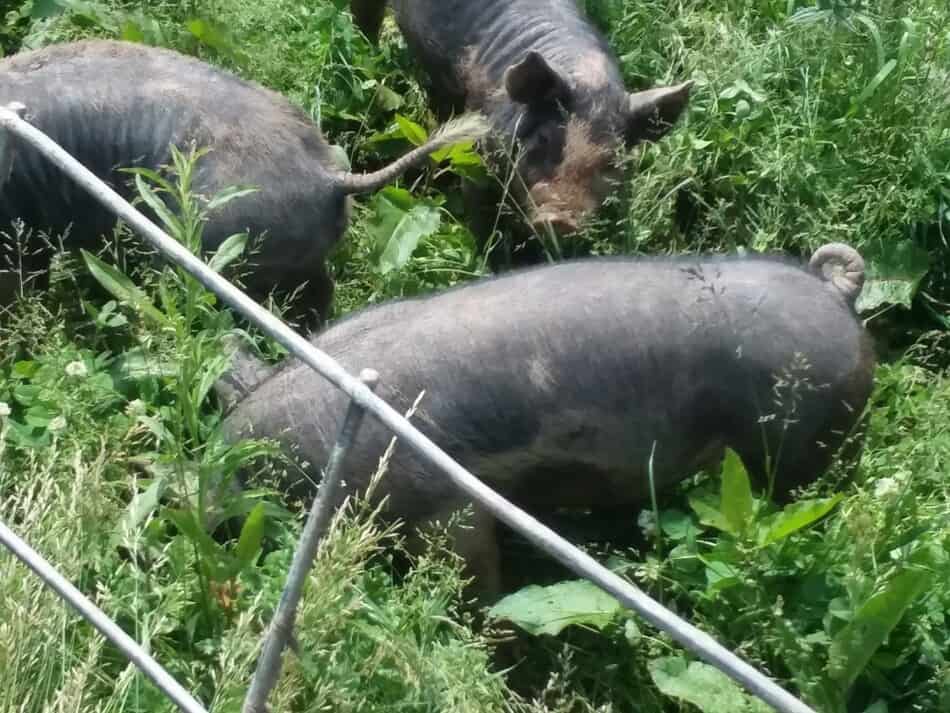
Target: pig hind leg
(368, 16)
(481, 211)
(473, 537)
(798, 456)
(840, 438)
(824, 434)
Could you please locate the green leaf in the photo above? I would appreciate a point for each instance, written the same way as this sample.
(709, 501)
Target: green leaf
(720, 575)
(169, 219)
(40, 414)
(107, 316)
(631, 632)
(741, 87)
(876, 81)
(705, 686)
(393, 133)
(185, 521)
(45, 8)
(709, 514)
(24, 369)
(131, 32)
(420, 222)
(463, 160)
(209, 372)
(793, 518)
(216, 37)
(229, 194)
(875, 35)
(142, 505)
(853, 646)
(252, 534)
(809, 16)
(893, 272)
(26, 394)
(397, 231)
(92, 12)
(910, 41)
(387, 99)
(121, 287)
(460, 153)
(27, 436)
(153, 177)
(840, 608)
(548, 610)
(736, 503)
(229, 251)
(214, 557)
(676, 525)
(137, 364)
(411, 130)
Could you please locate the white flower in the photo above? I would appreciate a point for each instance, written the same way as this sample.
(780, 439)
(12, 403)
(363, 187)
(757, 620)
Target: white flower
(76, 369)
(647, 522)
(57, 424)
(135, 407)
(4, 409)
(885, 487)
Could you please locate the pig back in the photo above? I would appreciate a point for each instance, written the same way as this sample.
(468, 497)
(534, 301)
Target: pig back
(117, 104)
(580, 371)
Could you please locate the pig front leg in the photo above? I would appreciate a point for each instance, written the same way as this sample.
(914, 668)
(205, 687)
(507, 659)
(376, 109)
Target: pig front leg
(520, 247)
(482, 204)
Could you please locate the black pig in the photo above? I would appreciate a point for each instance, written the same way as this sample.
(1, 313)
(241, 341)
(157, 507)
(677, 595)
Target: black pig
(544, 76)
(554, 384)
(117, 104)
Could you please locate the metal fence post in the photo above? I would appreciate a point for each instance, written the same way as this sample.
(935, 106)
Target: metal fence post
(321, 510)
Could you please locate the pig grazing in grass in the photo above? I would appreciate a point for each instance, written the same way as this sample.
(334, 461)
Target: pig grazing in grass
(545, 77)
(117, 104)
(555, 384)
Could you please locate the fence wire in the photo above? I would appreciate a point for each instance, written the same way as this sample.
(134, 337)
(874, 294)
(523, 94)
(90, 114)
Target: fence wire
(631, 596)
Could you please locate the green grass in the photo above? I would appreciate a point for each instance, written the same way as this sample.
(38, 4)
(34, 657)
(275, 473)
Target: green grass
(808, 124)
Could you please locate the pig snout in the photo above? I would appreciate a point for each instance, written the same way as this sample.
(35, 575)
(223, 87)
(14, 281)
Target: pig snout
(560, 223)
(549, 212)
(563, 206)
(580, 184)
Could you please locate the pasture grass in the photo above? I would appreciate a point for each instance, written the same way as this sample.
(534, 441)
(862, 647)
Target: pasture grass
(809, 123)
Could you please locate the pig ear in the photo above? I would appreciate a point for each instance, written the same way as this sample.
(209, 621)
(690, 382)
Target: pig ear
(533, 81)
(651, 113)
